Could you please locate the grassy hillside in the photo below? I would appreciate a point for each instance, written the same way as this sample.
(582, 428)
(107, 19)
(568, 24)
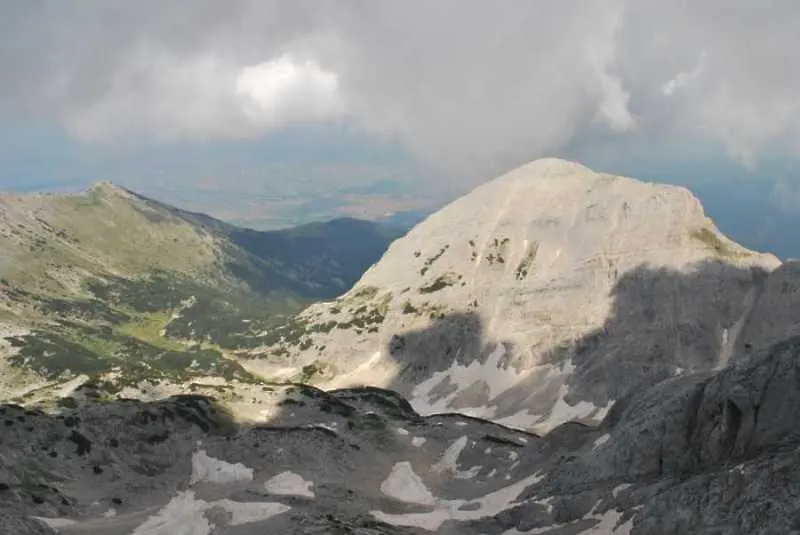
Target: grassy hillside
(109, 280)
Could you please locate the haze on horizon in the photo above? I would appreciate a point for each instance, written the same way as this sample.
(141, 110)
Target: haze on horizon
(191, 100)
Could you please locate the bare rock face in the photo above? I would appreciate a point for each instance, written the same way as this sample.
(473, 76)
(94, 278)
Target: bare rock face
(712, 452)
(541, 297)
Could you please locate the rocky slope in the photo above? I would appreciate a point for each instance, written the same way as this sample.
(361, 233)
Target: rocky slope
(711, 452)
(649, 366)
(542, 297)
(110, 280)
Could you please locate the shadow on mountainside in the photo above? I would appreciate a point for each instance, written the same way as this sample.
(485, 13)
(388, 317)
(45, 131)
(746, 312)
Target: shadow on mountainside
(662, 322)
(116, 462)
(131, 455)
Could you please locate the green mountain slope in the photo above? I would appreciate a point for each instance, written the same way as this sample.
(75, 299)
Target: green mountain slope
(112, 281)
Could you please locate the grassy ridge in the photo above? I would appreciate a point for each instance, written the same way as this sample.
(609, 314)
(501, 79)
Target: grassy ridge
(111, 281)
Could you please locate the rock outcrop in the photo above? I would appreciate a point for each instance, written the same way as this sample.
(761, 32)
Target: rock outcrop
(541, 297)
(713, 452)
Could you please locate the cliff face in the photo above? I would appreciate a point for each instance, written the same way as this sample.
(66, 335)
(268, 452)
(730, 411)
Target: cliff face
(542, 297)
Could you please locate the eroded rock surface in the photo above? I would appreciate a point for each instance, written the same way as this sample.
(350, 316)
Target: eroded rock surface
(542, 297)
(712, 452)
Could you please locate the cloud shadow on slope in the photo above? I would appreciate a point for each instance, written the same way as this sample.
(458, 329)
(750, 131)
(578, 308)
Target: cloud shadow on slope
(662, 322)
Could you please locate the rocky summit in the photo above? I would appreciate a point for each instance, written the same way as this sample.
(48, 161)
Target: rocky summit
(542, 297)
(559, 352)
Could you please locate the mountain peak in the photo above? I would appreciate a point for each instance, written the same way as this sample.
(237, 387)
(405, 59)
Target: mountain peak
(106, 187)
(552, 167)
(523, 267)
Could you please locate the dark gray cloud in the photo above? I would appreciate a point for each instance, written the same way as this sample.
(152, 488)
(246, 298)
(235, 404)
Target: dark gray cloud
(472, 86)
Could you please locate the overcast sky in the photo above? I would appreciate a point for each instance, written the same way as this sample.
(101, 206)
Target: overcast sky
(463, 88)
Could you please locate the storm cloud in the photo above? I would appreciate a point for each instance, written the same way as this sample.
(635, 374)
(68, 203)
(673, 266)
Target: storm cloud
(471, 86)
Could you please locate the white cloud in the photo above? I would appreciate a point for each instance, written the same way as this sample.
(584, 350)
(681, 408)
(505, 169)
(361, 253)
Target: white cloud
(283, 91)
(470, 85)
(683, 79)
(161, 97)
(613, 99)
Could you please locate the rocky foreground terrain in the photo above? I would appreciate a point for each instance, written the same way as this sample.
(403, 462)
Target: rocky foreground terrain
(559, 352)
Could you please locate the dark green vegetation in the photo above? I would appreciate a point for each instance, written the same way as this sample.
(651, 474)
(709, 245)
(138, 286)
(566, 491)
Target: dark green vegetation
(75, 349)
(430, 261)
(497, 251)
(362, 311)
(709, 238)
(441, 282)
(112, 281)
(526, 264)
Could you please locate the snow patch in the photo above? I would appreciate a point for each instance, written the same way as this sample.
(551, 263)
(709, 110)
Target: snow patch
(489, 505)
(185, 515)
(418, 441)
(606, 526)
(563, 412)
(290, 484)
(448, 462)
(619, 488)
(522, 419)
(494, 373)
(55, 523)
(249, 512)
(206, 468)
(600, 441)
(405, 485)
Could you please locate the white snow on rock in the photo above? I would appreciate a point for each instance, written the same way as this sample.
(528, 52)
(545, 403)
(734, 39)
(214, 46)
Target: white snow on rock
(563, 412)
(290, 484)
(493, 373)
(405, 485)
(418, 441)
(448, 462)
(249, 512)
(55, 523)
(619, 488)
(209, 469)
(600, 441)
(185, 515)
(489, 505)
(607, 525)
